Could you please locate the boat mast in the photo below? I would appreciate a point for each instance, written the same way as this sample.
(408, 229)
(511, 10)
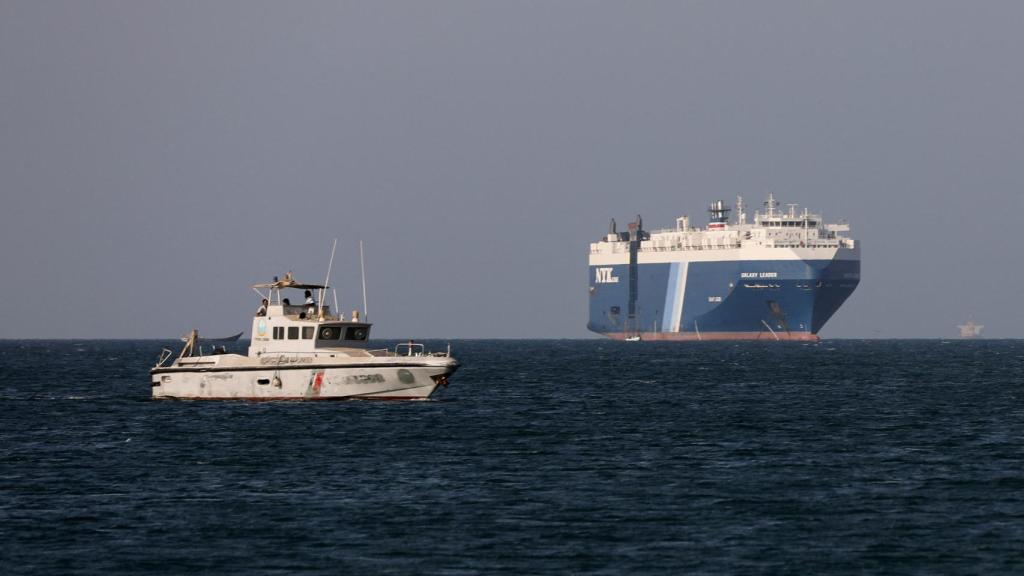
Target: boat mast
(362, 272)
(330, 264)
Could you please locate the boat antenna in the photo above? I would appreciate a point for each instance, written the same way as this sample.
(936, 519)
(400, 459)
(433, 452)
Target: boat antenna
(320, 312)
(362, 272)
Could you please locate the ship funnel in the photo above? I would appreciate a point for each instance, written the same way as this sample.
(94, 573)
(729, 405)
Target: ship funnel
(611, 229)
(719, 211)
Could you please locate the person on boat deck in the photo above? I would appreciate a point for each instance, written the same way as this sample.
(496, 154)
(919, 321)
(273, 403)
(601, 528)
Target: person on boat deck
(310, 304)
(262, 310)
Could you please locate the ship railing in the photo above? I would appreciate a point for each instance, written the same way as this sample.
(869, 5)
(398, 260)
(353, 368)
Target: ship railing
(670, 248)
(844, 243)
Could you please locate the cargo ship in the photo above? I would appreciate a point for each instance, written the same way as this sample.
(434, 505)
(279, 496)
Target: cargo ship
(779, 277)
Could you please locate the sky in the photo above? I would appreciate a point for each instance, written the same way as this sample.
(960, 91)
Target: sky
(159, 158)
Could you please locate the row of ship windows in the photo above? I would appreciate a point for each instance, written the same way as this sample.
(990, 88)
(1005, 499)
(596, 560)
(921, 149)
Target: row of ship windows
(326, 333)
(790, 224)
(293, 332)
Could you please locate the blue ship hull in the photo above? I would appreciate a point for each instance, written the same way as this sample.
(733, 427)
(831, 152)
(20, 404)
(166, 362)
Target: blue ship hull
(741, 299)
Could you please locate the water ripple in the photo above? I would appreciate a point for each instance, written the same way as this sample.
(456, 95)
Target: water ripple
(553, 457)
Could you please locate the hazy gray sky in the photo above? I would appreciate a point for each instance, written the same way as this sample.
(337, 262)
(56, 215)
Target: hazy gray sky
(157, 158)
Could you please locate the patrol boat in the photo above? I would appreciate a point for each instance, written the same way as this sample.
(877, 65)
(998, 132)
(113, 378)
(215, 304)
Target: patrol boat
(301, 352)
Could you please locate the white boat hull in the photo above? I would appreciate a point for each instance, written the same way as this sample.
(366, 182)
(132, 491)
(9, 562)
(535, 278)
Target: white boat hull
(231, 377)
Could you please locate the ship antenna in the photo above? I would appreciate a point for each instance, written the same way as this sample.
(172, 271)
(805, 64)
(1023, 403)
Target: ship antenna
(362, 271)
(330, 264)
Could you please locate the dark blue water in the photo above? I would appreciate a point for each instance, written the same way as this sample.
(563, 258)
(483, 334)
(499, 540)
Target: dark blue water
(543, 457)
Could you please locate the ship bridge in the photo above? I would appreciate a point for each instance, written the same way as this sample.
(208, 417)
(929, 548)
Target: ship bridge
(307, 326)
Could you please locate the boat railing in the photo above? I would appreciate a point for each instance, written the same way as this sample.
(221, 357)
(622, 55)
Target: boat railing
(408, 349)
(164, 356)
(300, 312)
(411, 349)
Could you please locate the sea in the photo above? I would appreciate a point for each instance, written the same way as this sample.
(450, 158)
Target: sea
(541, 457)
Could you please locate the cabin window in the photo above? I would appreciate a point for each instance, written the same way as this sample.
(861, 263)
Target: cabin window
(278, 332)
(329, 333)
(293, 332)
(307, 332)
(615, 310)
(355, 333)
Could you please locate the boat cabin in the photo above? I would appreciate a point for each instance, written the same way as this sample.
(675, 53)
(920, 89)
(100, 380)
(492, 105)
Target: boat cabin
(303, 327)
